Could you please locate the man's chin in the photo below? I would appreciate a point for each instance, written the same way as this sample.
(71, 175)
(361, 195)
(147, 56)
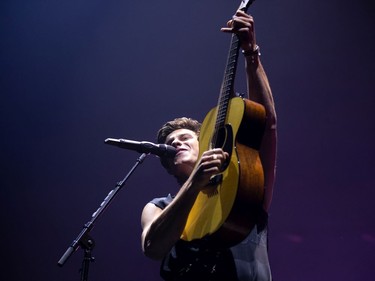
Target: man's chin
(182, 167)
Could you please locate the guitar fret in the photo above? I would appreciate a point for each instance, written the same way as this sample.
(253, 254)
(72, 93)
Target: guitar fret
(227, 84)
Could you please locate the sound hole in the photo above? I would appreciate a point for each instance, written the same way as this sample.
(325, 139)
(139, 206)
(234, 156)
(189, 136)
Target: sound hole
(223, 138)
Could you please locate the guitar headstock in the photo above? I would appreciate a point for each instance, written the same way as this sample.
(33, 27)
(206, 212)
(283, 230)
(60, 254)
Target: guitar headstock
(245, 4)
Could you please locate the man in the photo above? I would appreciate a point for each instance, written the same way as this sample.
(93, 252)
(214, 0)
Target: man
(164, 219)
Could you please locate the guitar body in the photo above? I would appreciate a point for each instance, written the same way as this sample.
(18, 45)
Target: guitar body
(226, 214)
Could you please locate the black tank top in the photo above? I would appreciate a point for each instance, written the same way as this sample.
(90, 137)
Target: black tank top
(193, 260)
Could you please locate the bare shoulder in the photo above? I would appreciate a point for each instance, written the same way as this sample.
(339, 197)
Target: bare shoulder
(149, 213)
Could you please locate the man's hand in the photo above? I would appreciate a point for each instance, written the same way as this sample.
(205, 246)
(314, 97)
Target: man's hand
(209, 164)
(242, 24)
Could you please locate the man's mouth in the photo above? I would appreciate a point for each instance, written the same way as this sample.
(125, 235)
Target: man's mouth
(180, 151)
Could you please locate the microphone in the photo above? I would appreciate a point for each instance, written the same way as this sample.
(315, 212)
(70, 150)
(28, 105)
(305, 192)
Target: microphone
(161, 150)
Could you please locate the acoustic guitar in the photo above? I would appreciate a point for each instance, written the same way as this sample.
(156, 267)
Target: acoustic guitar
(226, 213)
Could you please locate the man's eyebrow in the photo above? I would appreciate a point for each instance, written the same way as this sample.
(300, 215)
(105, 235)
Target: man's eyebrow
(182, 135)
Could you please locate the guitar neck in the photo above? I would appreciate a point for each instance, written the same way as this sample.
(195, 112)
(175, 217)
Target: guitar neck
(227, 87)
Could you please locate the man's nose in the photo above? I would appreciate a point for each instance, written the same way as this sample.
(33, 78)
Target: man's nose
(176, 143)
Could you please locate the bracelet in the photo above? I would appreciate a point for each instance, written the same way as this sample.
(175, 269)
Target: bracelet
(252, 53)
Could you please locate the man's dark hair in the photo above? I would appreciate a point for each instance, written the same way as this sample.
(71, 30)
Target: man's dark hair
(176, 124)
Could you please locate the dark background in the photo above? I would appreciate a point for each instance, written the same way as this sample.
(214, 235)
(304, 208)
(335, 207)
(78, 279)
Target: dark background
(73, 73)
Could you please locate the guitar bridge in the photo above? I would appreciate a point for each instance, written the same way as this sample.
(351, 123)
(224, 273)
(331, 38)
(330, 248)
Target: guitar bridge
(216, 179)
(212, 186)
(213, 193)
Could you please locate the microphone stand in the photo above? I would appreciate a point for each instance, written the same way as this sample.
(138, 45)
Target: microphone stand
(84, 240)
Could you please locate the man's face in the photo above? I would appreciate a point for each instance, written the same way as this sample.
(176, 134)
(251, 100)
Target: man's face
(187, 145)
